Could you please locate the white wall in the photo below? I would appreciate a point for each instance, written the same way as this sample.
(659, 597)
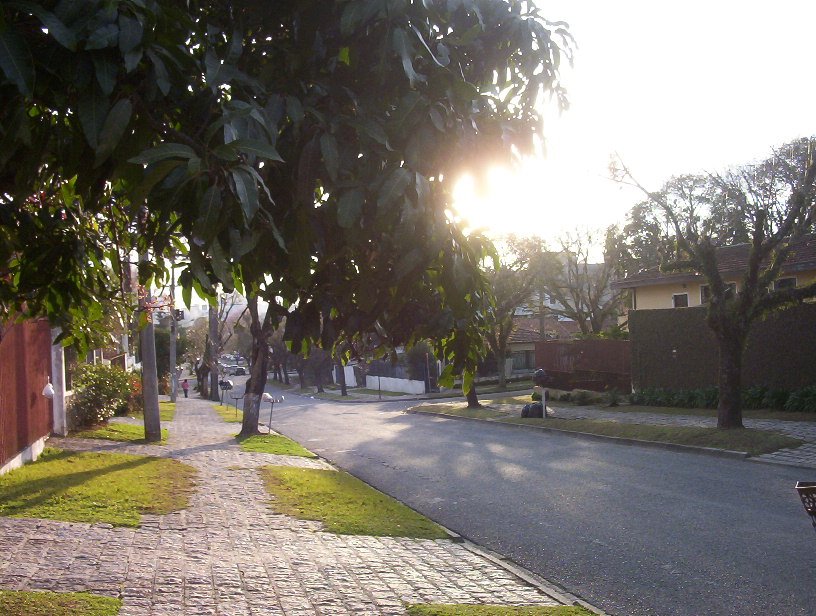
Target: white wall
(385, 383)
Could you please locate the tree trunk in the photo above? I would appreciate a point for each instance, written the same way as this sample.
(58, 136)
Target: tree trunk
(213, 354)
(301, 378)
(258, 372)
(729, 409)
(150, 384)
(285, 370)
(472, 398)
(341, 377)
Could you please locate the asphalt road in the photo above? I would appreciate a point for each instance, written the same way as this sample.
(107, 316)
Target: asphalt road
(630, 529)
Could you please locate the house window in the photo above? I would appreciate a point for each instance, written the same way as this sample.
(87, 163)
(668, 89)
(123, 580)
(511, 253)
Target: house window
(785, 283)
(680, 300)
(705, 292)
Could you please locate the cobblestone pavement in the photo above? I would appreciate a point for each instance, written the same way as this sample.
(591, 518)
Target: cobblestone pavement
(229, 554)
(805, 455)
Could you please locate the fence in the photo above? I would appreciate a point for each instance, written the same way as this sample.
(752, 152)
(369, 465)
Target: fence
(596, 365)
(25, 367)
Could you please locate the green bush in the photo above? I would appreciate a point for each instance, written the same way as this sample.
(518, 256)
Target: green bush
(536, 396)
(802, 400)
(100, 393)
(613, 397)
(754, 397)
(775, 399)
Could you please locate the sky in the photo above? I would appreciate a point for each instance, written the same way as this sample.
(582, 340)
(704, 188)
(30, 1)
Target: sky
(672, 87)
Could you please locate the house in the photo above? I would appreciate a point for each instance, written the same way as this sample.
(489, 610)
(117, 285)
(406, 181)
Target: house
(526, 332)
(653, 289)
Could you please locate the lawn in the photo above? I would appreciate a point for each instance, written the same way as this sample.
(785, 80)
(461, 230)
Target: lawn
(344, 504)
(38, 603)
(495, 610)
(753, 442)
(274, 443)
(95, 487)
(132, 433)
(229, 413)
(167, 411)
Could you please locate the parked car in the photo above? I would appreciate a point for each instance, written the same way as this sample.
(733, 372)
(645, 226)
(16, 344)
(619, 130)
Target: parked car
(235, 370)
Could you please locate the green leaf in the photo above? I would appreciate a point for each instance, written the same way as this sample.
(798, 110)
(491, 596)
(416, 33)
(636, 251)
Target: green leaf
(221, 265)
(113, 129)
(467, 381)
(105, 36)
(394, 187)
(331, 157)
(294, 110)
(162, 76)
(403, 47)
(105, 73)
(56, 28)
(209, 212)
(92, 109)
(247, 192)
(131, 33)
(162, 152)
(16, 61)
(349, 208)
(257, 148)
(446, 377)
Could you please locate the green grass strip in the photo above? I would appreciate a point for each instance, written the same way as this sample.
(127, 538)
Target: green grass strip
(274, 443)
(95, 487)
(130, 433)
(495, 610)
(344, 504)
(754, 442)
(167, 411)
(229, 413)
(39, 603)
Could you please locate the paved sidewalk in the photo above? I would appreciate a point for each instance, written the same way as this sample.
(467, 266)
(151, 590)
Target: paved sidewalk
(804, 455)
(230, 554)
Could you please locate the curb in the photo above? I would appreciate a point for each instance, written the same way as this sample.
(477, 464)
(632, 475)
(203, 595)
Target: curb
(545, 586)
(718, 453)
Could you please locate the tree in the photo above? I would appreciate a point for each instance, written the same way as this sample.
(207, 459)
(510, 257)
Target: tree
(512, 283)
(253, 130)
(774, 202)
(579, 289)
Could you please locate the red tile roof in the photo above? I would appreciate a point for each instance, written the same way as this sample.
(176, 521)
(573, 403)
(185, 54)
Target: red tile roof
(730, 260)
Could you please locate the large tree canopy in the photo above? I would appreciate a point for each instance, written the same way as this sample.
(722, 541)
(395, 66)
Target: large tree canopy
(304, 149)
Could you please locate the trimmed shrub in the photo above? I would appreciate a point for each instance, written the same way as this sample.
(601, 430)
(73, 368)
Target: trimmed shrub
(101, 392)
(802, 400)
(613, 397)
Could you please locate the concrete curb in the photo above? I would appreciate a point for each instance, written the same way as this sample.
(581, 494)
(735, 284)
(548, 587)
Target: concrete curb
(545, 586)
(719, 453)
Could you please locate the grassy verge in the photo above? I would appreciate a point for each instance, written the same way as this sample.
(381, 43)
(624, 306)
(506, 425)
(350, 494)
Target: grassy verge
(38, 603)
(274, 443)
(754, 442)
(229, 413)
(344, 504)
(167, 411)
(119, 432)
(460, 410)
(746, 414)
(95, 487)
(495, 610)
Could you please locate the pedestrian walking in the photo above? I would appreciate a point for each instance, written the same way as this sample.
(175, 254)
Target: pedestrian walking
(184, 387)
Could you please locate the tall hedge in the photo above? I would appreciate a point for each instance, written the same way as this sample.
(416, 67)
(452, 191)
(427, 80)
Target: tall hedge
(675, 349)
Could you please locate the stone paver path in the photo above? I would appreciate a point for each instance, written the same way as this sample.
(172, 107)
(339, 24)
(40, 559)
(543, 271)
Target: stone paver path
(229, 554)
(805, 455)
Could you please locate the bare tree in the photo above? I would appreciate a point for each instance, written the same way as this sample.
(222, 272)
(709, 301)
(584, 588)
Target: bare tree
(578, 287)
(774, 201)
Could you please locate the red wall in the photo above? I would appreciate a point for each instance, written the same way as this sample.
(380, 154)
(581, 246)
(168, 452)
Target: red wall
(25, 365)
